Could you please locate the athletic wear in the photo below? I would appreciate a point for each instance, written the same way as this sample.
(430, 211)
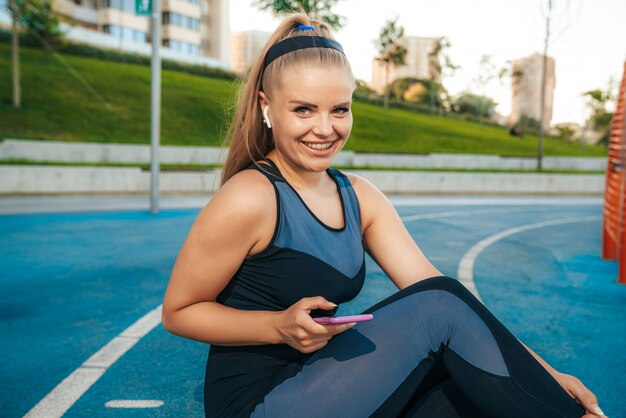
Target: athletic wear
(305, 257)
(432, 350)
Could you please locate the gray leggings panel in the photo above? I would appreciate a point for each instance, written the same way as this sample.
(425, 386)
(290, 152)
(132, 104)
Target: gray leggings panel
(377, 367)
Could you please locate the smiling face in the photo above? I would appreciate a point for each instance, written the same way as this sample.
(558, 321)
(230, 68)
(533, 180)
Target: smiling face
(308, 111)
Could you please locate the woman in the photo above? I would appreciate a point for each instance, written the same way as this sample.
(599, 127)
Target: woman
(284, 237)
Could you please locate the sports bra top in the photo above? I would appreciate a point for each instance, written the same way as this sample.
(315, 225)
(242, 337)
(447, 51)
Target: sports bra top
(305, 257)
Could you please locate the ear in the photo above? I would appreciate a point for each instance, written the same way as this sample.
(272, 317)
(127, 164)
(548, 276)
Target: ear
(263, 101)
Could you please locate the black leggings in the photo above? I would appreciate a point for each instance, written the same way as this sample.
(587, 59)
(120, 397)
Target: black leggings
(432, 350)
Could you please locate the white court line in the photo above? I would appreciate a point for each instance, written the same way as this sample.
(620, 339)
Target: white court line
(66, 393)
(458, 213)
(121, 403)
(465, 273)
(493, 200)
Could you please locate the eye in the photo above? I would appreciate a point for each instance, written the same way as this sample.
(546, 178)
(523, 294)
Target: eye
(342, 110)
(297, 109)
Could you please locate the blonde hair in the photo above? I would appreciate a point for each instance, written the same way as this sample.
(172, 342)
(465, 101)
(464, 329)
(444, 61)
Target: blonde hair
(247, 138)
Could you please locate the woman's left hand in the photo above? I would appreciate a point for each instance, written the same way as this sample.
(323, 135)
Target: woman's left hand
(579, 392)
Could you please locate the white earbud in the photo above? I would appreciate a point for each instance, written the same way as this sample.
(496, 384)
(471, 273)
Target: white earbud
(265, 118)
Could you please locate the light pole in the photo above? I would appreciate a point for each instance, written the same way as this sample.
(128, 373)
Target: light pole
(155, 107)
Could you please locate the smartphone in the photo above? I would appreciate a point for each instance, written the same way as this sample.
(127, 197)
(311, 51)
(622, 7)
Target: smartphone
(343, 319)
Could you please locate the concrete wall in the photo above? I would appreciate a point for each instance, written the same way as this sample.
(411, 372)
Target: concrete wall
(22, 179)
(96, 152)
(86, 152)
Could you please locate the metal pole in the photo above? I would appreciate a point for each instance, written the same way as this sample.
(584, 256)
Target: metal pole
(155, 111)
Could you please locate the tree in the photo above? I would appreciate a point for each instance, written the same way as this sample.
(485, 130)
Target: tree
(529, 124)
(16, 8)
(41, 23)
(400, 85)
(415, 93)
(475, 105)
(421, 90)
(507, 71)
(363, 90)
(438, 70)
(512, 76)
(565, 132)
(596, 102)
(549, 16)
(486, 74)
(316, 9)
(390, 51)
(37, 17)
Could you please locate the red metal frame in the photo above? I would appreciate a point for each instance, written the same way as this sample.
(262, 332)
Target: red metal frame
(614, 208)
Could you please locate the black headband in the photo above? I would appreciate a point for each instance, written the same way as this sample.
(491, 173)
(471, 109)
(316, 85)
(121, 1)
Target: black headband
(299, 42)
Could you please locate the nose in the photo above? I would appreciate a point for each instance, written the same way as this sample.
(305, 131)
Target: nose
(323, 125)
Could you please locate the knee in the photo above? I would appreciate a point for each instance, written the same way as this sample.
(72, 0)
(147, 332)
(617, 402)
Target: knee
(447, 284)
(442, 281)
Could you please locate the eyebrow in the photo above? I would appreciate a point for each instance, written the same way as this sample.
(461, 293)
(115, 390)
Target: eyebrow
(312, 105)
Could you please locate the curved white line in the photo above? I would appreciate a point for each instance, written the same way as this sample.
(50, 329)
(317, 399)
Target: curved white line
(66, 393)
(465, 272)
(458, 213)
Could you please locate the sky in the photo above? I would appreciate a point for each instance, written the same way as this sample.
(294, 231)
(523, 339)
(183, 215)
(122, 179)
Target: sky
(588, 44)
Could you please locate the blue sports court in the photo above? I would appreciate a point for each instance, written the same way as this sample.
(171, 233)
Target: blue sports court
(83, 278)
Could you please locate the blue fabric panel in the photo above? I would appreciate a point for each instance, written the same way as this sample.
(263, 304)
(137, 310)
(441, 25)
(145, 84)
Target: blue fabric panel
(299, 230)
(357, 372)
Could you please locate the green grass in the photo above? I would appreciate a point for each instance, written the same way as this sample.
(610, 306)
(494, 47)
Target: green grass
(203, 167)
(57, 106)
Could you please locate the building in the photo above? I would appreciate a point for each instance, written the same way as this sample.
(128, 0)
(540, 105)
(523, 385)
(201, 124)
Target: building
(246, 48)
(419, 63)
(526, 89)
(580, 133)
(190, 28)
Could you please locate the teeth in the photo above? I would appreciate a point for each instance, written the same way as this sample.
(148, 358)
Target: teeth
(318, 146)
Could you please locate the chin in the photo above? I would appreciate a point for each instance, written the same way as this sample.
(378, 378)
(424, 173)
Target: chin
(317, 166)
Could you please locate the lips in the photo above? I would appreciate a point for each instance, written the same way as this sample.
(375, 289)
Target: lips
(319, 146)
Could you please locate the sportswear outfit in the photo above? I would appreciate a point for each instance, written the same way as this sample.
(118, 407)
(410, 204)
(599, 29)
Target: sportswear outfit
(432, 350)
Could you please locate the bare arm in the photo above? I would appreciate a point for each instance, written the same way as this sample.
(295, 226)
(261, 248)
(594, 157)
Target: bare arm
(386, 239)
(541, 361)
(218, 241)
(389, 243)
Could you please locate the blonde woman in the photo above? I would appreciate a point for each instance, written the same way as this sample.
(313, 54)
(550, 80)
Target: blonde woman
(283, 241)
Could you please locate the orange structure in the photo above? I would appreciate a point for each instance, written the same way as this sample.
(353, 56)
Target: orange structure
(614, 208)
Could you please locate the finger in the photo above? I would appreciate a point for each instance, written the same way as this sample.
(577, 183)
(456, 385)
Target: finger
(314, 329)
(310, 348)
(587, 399)
(317, 302)
(328, 331)
(342, 327)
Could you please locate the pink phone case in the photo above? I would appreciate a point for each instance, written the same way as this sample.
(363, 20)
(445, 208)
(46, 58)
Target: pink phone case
(343, 319)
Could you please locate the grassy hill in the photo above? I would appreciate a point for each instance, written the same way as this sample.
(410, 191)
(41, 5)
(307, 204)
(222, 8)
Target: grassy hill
(84, 99)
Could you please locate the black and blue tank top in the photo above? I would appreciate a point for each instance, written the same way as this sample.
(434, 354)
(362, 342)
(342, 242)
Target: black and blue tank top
(304, 258)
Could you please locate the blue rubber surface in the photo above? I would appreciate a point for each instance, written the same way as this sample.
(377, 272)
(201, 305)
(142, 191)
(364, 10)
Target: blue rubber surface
(72, 282)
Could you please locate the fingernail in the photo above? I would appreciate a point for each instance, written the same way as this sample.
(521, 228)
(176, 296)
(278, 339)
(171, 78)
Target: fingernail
(334, 304)
(597, 409)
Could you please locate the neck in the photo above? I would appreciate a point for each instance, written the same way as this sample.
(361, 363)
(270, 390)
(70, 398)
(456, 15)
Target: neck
(297, 177)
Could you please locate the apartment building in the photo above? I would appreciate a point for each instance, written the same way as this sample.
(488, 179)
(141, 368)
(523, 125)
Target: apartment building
(419, 63)
(189, 27)
(526, 89)
(245, 49)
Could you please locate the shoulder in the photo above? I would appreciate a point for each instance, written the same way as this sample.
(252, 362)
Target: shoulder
(365, 190)
(371, 198)
(243, 198)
